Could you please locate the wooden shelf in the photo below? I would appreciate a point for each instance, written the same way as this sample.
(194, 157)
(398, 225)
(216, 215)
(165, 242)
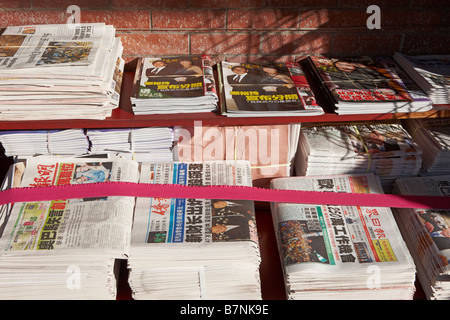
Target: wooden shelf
(123, 117)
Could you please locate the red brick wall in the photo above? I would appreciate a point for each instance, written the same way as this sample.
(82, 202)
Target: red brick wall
(254, 30)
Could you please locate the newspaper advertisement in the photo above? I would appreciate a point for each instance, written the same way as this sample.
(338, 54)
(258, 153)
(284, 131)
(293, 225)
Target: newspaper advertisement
(435, 222)
(89, 223)
(46, 45)
(194, 221)
(320, 236)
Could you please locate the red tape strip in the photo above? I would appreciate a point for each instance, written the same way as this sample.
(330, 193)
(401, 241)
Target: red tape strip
(220, 192)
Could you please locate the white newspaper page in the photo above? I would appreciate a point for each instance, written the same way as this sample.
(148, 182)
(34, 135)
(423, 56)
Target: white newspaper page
(49, 45)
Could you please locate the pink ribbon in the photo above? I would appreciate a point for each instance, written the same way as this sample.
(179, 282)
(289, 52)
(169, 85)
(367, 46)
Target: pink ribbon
(32, 194)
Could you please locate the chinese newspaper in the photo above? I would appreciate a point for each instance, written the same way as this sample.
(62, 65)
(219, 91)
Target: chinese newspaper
(280, 89)
(427, 233)
(336, 245)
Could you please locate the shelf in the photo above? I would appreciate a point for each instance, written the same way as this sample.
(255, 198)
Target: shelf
(123, 117)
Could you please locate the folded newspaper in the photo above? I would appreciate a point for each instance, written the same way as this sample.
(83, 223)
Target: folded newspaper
(140, 144)
(44, 142)
(430, 72)
(386, 150)
(66, 249)
(427, 234)
(70, 249)
(341, 252)
(195, 248)
(433, 137)
(366, 85)
(180, 84)
(60, 71)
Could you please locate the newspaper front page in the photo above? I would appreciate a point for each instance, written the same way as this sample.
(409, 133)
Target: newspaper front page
(435, 222)
(38, 46)
(331, 238)
(90, 223)
(165, 220)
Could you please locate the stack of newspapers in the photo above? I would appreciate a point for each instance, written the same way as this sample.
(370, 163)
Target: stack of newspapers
(174, 85)
(341, 252)
(433, 137)
(53, 72)
(195, 249)
(386, 150)
(430, 72)
(265, 90)
(366, 85)
(427, 234)
(65, 249)
(140, 144)
(44, 142)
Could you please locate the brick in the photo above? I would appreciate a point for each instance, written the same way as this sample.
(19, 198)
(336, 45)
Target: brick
(409, 19)
(446, 20)
(188, 19)
(426, 43)
(13, 4)
(126, 19)
(302, 3)
(430, 3)
(221, 43)
(62, 4)
(262, 19)
(366, 43)
(150, 4)
(227, 4)
(381, 3)
(137, 44)
(20, 17)
(333, 18)
(298, 43)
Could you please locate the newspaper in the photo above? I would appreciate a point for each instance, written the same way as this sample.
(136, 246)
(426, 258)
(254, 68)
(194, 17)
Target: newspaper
(329, 238)
(165, 220)
(435, 222)
(366, 85)
(59, 225)
(40, 46)
(433, 137)
(280, 89)
(386, 150)
(178, 84)
(360, 140)
(431, 72)
(77, 70)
